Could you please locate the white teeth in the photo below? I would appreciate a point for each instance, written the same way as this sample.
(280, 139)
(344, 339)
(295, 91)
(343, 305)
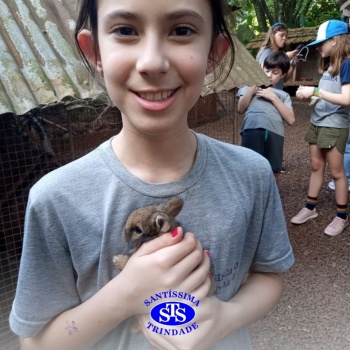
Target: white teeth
(159, 96)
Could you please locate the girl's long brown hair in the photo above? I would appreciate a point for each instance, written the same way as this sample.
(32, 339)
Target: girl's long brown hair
(341, 50)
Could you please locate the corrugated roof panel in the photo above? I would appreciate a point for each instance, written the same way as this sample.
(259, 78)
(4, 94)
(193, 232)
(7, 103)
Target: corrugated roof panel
(301, 35)
(38, 62)
(245, 71)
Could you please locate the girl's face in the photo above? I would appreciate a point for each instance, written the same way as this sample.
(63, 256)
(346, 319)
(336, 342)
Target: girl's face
(154, 56)
(326, 47)
(280, 39)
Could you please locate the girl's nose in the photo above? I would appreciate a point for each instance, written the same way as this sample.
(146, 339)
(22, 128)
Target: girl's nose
(153, 59)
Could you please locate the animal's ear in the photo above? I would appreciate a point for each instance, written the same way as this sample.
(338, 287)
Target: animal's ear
(174, 206)
(163, 223)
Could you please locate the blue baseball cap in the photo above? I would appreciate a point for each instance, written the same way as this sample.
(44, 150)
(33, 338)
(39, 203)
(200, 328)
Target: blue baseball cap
(329, 29)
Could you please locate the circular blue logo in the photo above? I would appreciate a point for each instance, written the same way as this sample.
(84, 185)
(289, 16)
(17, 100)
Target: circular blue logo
(172, 313)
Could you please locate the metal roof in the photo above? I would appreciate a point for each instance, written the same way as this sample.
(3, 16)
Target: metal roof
(302, 35)
(245, 71)
(38, 62)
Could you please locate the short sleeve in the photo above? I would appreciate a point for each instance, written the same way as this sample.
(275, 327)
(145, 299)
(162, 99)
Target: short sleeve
(242, 91)
(345, 72)
(46, 284)
(265, 52)
(274, 252)
(288, 101)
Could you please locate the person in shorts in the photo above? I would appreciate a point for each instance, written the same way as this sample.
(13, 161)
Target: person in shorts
(266, 110)
(329, 124)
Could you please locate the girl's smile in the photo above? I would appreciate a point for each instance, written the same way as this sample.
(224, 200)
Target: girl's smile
(155, 102)
(155, 97)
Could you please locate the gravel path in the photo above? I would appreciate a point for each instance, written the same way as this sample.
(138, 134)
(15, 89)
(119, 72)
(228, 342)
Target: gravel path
(315, 310)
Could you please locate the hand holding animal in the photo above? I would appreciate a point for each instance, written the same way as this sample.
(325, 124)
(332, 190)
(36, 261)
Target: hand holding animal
(147, 223)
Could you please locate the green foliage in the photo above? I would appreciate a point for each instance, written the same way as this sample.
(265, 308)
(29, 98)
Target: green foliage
(257, 15)
(324, 10)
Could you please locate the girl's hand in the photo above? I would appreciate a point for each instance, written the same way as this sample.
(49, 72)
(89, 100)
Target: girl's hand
(292, 54)
(305, 92)
(208, 327)
(167, 262)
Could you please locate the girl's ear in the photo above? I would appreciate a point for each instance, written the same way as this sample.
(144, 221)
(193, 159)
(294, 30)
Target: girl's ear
(218, 51)
(87, 45)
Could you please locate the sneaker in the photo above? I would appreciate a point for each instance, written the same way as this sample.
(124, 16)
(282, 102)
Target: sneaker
(283, 170)
(304, 215)
(331, 185)
(336, 226)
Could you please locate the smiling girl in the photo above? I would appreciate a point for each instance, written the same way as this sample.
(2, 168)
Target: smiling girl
(153, 57)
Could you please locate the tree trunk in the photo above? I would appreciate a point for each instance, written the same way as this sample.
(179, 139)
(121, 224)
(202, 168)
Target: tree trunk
(260, 15)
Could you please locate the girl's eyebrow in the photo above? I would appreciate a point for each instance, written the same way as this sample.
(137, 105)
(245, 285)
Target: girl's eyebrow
(184, 13)
(169, 16)
(121, 14)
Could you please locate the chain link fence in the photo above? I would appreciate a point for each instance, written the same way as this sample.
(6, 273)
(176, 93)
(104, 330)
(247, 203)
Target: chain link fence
(44, 139)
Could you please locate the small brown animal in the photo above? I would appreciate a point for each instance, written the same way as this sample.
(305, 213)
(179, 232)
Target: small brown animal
(147, 223)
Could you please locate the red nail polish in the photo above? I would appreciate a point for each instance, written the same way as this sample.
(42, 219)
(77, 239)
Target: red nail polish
(207, 252)
(174, 232)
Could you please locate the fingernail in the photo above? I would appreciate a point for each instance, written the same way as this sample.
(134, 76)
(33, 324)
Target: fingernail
(207, 252)
(174, 232)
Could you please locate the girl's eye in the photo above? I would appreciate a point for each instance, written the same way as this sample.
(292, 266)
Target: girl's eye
(124, 31)
(182, 31)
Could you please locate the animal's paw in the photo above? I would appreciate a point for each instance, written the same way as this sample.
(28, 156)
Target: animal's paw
(120, 261)
(314, 99)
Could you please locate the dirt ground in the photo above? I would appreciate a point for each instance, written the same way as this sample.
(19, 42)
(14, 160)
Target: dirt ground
(315, 310)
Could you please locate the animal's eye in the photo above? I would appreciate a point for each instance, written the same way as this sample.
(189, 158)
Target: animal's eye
(138, 230)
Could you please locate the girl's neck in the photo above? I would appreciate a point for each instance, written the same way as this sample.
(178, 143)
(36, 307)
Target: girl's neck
(156, 159)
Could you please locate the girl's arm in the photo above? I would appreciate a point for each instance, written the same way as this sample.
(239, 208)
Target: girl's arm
(286, 113)
(244, 101)
(164, 263)
(292, 55)
(216, 319)
(342, 99)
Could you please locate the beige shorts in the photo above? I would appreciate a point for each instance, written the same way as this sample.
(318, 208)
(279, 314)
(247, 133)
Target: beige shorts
(327, 138)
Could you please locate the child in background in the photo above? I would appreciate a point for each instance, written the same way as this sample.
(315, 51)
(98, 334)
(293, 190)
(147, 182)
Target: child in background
(266, 110)
(276, 40)
(329, 124)
(153, 57)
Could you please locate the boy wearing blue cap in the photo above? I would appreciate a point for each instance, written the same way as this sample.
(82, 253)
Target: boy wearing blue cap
(329, 124)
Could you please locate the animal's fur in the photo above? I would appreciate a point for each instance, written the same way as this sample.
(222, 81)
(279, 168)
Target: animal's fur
(147, 223)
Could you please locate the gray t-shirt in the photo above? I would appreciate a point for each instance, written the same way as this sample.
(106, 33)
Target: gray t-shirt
(261, 113)
(75, 216)
(327, 114)
(261, 58)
